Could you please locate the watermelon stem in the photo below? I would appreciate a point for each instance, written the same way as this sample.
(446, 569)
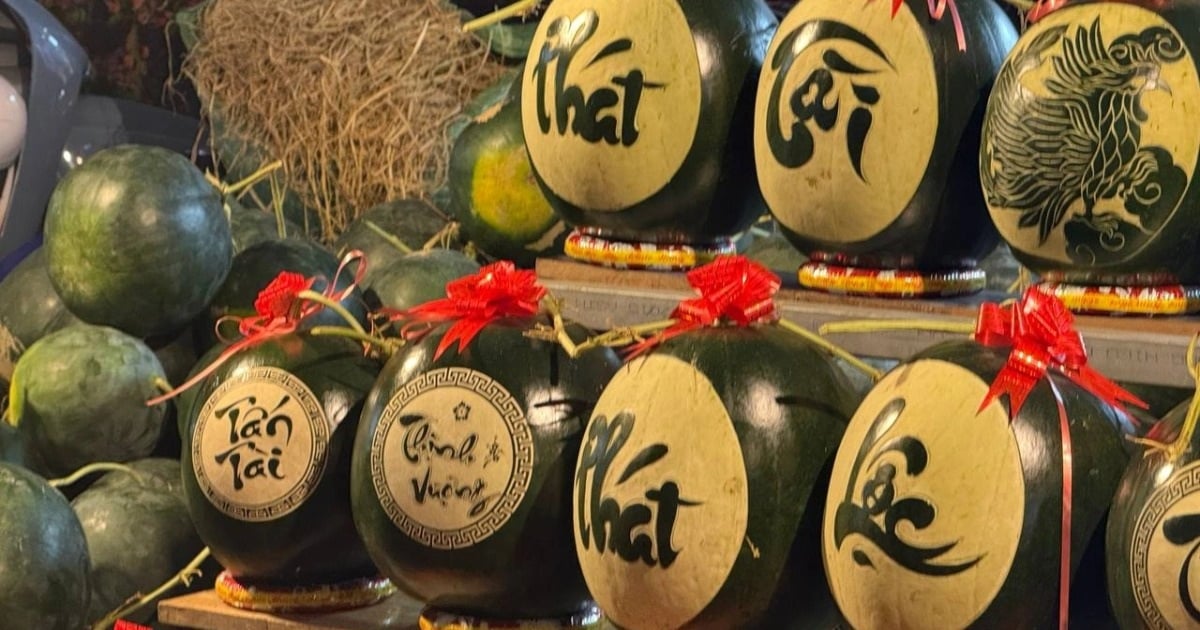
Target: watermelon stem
(387, 347)
(253, 178)
(879, 325)
(444, 236)
(390, 238)
(831, 348)
(519, 8)
(613, 338)
(162, 384)
(94, 468)
(1023, 281)
(336, 307)
(184, 578)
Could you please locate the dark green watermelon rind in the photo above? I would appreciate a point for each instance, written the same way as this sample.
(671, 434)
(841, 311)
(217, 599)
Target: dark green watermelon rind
(501, 132)
(257, 266)
(528, 567)
(1146, 475)
(165, 222)
(412, 222)
(43, 556)
(1099, 455)
(139, 535)
(316, 543)
(30, 308)
(78, 397)
(420, 277)
(788, 448)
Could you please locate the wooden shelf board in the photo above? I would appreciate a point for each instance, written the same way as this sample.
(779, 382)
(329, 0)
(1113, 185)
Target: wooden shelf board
(1135, 349)
(203, 611)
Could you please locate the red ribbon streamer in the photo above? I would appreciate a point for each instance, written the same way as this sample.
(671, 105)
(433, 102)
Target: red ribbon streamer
(499, 290)
(1043, 8)
(279, 311)
(1040, 330)
(129, 625)
(937, 10)
(731, 288)
(1068, 492)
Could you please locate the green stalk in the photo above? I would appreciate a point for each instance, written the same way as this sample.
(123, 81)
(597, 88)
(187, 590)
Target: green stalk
(252, 179)
(333, 306)
(388, 347)
(521, 7)
(390, 238)
(831, 348)
(93, 468)
(184, 577)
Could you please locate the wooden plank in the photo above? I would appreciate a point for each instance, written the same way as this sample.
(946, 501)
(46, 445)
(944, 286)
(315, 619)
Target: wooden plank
(1135, 349)
(203, 611)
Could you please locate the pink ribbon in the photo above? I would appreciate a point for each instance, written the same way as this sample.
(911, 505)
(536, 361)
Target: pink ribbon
(937, 10)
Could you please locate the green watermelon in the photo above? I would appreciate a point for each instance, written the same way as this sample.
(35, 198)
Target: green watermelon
(29, 309)
(493, 191)
(251, 226)
(474, 515)
(43, 556)
(412, 222)
(420, 277)
(700, 487)
(137, 239)
(266, 460)
(255, 268)
(139, 535)
(1153, 531)
(79, 396)
(942, 513)
(638, 115)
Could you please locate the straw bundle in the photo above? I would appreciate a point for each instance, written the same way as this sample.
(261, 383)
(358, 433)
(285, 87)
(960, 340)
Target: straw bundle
(353, 96)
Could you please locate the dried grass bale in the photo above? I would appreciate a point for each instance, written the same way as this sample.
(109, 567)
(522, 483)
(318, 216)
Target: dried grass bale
(353, 96)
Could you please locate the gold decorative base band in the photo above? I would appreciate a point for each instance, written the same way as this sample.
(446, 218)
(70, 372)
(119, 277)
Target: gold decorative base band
(1108, 300)
(303, 599)
(627, 255)
(589, 618)
(892, 283)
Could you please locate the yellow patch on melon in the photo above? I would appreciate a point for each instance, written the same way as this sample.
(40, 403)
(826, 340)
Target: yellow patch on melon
(505, 195)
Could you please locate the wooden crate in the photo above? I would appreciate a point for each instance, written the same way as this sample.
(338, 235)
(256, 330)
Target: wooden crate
(203, 611)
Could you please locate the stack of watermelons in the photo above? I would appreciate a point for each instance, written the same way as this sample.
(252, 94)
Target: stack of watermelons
(142, 257)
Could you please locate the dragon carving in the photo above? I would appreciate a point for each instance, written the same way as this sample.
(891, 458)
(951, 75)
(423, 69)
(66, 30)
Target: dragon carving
(1073, 155)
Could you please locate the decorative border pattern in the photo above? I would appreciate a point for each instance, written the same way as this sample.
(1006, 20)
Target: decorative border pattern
(318, 423)
(518, 483)
(898, 283)
(659, 257)
(1171, 299)
(1181, 484)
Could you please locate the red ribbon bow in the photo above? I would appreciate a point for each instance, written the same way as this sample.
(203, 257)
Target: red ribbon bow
(279, 311)
(499, 290)
(937, 9)
(732, 288)
(129, 625)
(1041, 332)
